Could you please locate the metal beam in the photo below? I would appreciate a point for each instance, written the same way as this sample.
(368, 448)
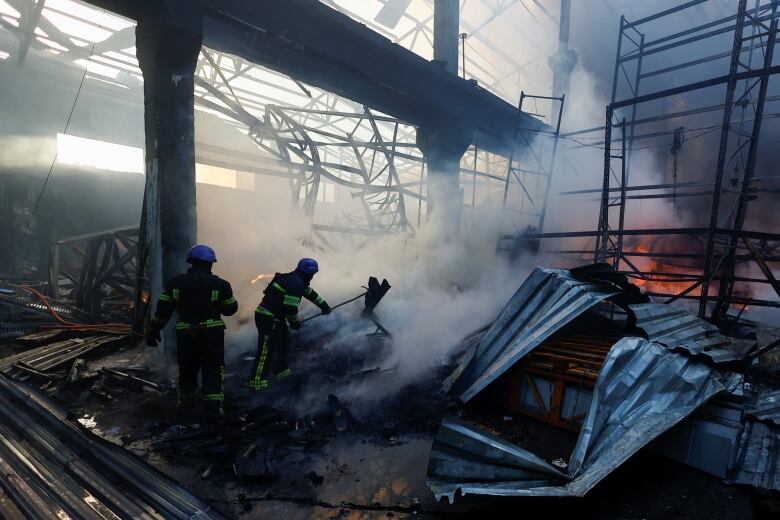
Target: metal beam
(29, 33)
(726, 289)
(757, 235)
(319, 46)
(731, 85)
(748, 74)
(761, 261)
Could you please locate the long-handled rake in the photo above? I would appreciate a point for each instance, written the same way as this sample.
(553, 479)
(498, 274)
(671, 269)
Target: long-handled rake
(373, 293)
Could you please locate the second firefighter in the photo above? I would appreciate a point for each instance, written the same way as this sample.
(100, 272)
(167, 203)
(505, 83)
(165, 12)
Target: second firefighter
(279, 307)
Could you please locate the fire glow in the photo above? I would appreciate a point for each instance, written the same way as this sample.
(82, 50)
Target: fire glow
(661, 277)
(261, 277)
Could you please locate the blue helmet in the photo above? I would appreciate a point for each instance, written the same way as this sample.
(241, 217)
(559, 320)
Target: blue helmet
(307, 266)
(202, 253)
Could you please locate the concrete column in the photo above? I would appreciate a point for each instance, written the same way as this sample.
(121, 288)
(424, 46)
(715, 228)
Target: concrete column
(168, 40)
(443, 148)
(443, 144)
(446, 18)
(563, 62)
(169, 35)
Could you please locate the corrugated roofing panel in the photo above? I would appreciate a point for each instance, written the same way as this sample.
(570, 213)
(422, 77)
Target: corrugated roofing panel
(465, 452)
(677, 328)
(547, 300)
(643, 390)
(53, 468)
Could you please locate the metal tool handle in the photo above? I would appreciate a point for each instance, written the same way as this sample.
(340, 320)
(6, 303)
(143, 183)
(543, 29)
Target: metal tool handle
(335, 307)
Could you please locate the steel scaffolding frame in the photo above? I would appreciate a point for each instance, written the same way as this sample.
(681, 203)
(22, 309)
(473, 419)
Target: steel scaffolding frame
(740, 70)
(724, 242)
(537, 162)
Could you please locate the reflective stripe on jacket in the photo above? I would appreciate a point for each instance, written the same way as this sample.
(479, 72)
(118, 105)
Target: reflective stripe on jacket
(282, 297)
(200, 299)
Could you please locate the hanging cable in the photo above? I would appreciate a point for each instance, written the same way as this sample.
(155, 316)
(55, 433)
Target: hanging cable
(67, 123)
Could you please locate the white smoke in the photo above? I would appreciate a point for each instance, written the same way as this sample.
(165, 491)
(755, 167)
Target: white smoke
(22, 152)
(442, 288)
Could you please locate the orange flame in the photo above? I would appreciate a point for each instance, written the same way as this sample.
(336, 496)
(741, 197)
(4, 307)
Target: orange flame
(669, 284)
(260, 277)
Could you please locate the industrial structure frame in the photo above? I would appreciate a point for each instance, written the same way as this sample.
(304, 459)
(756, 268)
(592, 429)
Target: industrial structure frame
(309, 146)
(542, 150)
(383, 204)
(740, 71)
(96, 271)
(378, 156)
(725, 242)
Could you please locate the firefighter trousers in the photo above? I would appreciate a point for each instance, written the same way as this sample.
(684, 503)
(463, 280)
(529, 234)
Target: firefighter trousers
(202, 350)
(273, 352)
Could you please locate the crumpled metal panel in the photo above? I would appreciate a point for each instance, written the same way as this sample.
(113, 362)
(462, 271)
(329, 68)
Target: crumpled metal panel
(766, 407)
(547, 300)
(677, 328)
(758, 463)
(465, 457)
(464, 451)
(643, 390)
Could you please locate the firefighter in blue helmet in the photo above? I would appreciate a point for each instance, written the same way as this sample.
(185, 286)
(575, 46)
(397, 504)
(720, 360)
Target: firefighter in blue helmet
(278, 308)
(200, 299)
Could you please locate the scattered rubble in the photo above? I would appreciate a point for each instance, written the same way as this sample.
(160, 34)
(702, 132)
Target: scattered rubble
(271, 451)
(257, 462)
(544, 357)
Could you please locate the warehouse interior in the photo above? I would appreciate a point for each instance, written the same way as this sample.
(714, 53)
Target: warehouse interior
(547, 229)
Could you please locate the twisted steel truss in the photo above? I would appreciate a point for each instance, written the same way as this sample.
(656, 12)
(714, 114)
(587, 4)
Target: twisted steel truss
(356, 150)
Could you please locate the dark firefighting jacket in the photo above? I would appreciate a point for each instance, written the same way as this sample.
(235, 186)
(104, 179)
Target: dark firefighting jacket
(200, 299)
(283, 296)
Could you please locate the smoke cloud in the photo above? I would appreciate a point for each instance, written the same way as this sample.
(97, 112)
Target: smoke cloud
(444, 288)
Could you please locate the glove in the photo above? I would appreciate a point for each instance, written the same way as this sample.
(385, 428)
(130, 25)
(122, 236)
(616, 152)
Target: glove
(152, 337)
(326, 308)
(295, 325)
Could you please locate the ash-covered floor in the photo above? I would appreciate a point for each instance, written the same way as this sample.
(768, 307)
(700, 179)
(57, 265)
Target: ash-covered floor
(335, 458)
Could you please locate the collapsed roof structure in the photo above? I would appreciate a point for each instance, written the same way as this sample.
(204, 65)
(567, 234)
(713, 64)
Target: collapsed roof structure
(582, 350)
(667, 365)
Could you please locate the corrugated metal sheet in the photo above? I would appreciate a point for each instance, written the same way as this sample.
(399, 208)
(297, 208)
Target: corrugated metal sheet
(677, 328)
(642, 391)
(50, 467)
(464, 452)
(766, 407)
(547, 300)
(759, 458)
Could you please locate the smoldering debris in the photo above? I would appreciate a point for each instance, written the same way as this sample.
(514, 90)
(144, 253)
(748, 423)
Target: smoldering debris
(257, 462)
(335, 367)
(341, 416)
(284, 438)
